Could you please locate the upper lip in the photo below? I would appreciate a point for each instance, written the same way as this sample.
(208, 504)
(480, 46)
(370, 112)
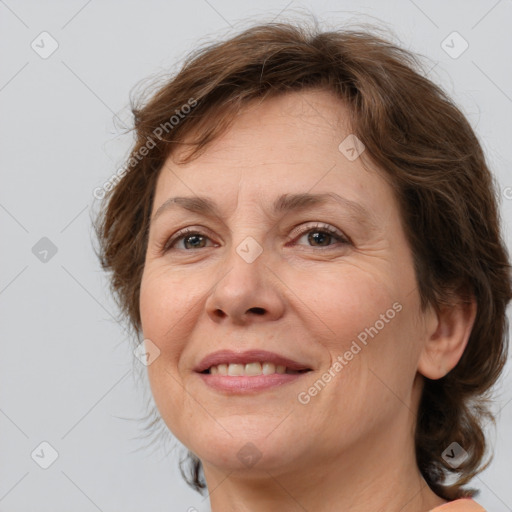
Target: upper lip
(248, 356)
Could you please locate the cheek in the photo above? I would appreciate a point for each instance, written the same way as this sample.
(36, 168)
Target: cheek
(381, 361)
(163, 318)
(358, 307)
(166, 305)
(372, 340)
(166, 316)
(371, 375)
(372, 314)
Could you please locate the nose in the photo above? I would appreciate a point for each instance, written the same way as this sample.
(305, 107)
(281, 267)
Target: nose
(246, 292)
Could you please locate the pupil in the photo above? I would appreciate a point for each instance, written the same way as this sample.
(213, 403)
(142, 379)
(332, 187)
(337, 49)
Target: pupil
(193, 237)
(318, 236)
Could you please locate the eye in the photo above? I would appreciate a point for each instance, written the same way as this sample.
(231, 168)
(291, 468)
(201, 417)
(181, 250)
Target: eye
(321, 235)
(191, 238)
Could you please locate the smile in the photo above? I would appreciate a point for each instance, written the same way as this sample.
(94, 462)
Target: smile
(248, 371)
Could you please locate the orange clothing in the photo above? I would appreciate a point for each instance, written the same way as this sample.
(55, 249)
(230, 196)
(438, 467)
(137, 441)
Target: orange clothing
(463, 505)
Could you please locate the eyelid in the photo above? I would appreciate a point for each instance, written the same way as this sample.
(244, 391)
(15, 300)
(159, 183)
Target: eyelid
(320, 226)
(297, 233)
(182, 233)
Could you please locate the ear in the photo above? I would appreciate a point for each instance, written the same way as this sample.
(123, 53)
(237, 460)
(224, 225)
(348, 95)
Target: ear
(447, 336)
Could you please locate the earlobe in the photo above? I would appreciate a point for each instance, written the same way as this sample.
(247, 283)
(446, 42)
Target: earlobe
(446, 338)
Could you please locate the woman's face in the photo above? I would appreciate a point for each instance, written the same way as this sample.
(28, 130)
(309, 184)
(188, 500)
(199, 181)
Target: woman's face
(271, 277)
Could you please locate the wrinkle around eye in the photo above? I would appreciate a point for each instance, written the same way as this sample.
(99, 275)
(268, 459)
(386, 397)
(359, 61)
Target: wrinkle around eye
(289, 232)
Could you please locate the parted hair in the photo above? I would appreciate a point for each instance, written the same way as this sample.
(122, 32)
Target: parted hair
(427, 151)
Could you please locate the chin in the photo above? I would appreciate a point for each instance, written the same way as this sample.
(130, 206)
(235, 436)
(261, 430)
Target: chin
(245, 449)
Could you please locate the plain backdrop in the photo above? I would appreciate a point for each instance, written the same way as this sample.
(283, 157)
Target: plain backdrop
(68, 376)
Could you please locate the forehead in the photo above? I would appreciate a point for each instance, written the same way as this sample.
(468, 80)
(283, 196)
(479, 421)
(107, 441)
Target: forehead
(288, 144)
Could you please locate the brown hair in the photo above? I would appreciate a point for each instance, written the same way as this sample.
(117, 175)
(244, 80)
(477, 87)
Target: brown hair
(413, 132)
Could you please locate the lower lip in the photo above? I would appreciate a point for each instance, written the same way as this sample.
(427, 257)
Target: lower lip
(245, 384)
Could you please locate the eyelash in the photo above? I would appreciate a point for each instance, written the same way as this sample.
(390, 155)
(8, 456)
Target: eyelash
(320, 228)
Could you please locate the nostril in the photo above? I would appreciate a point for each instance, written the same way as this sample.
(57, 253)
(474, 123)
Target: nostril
(258, 311)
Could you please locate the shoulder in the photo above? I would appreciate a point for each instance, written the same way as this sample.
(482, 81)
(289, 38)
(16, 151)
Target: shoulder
(463, 505)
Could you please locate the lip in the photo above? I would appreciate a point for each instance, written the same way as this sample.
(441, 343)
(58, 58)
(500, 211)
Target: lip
(248, 356)
(243, 383)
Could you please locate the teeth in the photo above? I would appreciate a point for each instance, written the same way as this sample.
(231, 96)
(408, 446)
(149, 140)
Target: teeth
(253, 369)
(236, 369)
(249, 369)
(269, 368)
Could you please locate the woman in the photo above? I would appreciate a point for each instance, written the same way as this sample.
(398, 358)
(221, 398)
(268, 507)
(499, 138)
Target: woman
(307, 238)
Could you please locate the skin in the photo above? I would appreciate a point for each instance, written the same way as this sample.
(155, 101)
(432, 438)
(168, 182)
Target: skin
(351, 447)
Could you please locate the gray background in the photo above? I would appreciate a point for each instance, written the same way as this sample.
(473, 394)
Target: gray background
(66, 367)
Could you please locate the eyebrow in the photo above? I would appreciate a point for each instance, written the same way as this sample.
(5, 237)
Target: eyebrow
(284, 203)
